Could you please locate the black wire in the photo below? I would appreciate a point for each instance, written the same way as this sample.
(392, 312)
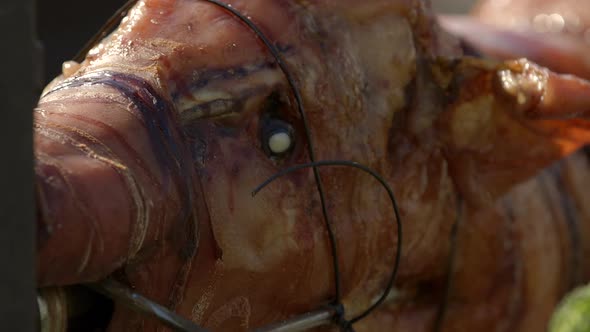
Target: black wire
(347, 325)
(122, 294)
(314, 165)
(384, 183)
(275, 53)
(451, 263)
(115, 19)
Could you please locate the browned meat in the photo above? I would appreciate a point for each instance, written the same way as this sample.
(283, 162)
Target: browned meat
(148, 151)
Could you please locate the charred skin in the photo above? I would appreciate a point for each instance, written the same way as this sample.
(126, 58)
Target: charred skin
(148, 153)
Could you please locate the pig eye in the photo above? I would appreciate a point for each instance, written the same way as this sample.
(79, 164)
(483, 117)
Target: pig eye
(279, 142)
(277, 137)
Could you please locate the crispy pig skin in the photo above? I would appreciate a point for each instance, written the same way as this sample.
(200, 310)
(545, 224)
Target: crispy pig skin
(147, 156)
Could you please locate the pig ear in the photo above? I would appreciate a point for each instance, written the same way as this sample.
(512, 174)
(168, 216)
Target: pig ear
(510, 120)
(563, 96)
(560, 53)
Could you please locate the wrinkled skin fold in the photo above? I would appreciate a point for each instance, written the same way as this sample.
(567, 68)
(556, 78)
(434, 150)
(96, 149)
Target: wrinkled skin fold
(147, 155)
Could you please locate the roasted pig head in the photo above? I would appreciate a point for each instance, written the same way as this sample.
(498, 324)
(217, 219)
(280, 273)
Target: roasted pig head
(148, 152)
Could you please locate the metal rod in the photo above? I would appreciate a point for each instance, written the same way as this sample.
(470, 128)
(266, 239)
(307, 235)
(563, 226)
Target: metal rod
(120, 293)
(302, 323)
(314, 319)
(53, 310)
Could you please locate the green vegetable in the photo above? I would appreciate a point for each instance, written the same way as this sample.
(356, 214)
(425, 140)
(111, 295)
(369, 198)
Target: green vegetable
(573, 314)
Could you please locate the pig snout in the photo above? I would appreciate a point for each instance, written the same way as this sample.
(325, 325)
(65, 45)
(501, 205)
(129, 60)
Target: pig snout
(112, 177)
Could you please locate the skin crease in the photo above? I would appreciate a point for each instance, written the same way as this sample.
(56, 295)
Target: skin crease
(163, 200)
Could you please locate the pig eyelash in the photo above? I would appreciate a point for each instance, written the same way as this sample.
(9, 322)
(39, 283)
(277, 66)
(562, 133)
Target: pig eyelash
(336, 310)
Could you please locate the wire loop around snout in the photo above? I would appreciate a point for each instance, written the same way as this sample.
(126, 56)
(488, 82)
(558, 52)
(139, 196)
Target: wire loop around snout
(383, 182)
(321, 317)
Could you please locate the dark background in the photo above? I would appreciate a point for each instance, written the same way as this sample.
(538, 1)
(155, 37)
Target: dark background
(18, 85)
(64, 26)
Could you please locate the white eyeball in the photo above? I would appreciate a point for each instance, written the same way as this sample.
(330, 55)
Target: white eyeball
(277, 138)
(279, 142)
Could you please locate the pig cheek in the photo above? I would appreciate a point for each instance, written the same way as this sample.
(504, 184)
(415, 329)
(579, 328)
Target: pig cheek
(253, 233)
